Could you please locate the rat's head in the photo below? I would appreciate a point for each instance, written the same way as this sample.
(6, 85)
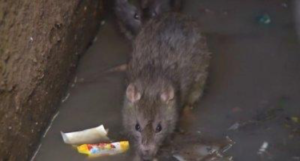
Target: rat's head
(154, 8)
(129, 14)
(150, 114)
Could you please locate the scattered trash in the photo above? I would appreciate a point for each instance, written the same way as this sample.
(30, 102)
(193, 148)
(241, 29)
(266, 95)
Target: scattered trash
(263, 148)
(264, 19)
(103, 149)
(102, 23)
(179, 157)
(31, 38)
(92, 135)
(226, 148)
(235, 126)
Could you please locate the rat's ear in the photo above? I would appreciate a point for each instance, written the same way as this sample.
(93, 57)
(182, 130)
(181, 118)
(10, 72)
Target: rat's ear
(167, 94)
(132, 94)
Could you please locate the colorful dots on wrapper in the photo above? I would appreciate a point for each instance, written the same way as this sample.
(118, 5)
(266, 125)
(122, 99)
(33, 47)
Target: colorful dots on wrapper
(103, 149)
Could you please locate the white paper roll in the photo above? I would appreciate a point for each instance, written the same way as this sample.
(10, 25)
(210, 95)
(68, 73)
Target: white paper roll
(88, 136)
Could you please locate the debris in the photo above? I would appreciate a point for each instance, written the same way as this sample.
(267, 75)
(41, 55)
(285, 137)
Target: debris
(263, 148)
(31, 38)
(229, 140)
(226, 148)
(102, 23)
(179, 157)
(264, 19)
(103, 149)
(86, 136)
(235, 126)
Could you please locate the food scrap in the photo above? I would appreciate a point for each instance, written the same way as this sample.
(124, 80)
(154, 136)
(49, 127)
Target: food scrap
(103, 149)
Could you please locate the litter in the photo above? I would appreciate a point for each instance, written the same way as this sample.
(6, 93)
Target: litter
(179, 157)
(97, 134)
(235, 126)
(263, 148)
(103, 149)
(264, 19)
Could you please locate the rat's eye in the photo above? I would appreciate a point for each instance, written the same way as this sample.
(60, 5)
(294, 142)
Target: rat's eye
(158, 128)
(137, 16)
(138, 127)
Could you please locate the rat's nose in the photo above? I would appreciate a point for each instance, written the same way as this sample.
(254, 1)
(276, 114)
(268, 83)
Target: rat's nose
(147, 151)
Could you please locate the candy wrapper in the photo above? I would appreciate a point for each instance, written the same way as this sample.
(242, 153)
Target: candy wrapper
(103, 149)
(93, 135)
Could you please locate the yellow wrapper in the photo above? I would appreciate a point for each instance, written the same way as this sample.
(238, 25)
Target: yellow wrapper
(103, 149)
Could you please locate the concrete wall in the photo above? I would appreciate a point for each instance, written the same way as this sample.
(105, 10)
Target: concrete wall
(40, 43)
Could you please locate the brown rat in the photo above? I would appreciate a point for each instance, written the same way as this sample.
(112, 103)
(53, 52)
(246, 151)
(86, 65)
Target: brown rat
(154, 8)
(131, 15)
(167, 70)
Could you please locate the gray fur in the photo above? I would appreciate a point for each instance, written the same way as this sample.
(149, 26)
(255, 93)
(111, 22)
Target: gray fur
(170, 56)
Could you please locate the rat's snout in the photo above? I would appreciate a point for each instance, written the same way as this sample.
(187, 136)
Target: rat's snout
(148, 151)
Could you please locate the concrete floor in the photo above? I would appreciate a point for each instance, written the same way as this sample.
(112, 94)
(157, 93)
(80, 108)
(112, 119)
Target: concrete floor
(254, 83)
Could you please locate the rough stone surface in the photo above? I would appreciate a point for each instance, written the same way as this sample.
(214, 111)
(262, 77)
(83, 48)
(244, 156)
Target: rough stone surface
(40, 43)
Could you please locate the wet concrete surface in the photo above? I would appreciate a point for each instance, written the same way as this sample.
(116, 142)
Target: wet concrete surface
(252, 95)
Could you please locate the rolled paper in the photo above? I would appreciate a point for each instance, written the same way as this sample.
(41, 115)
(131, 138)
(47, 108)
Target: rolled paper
(93, 135)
